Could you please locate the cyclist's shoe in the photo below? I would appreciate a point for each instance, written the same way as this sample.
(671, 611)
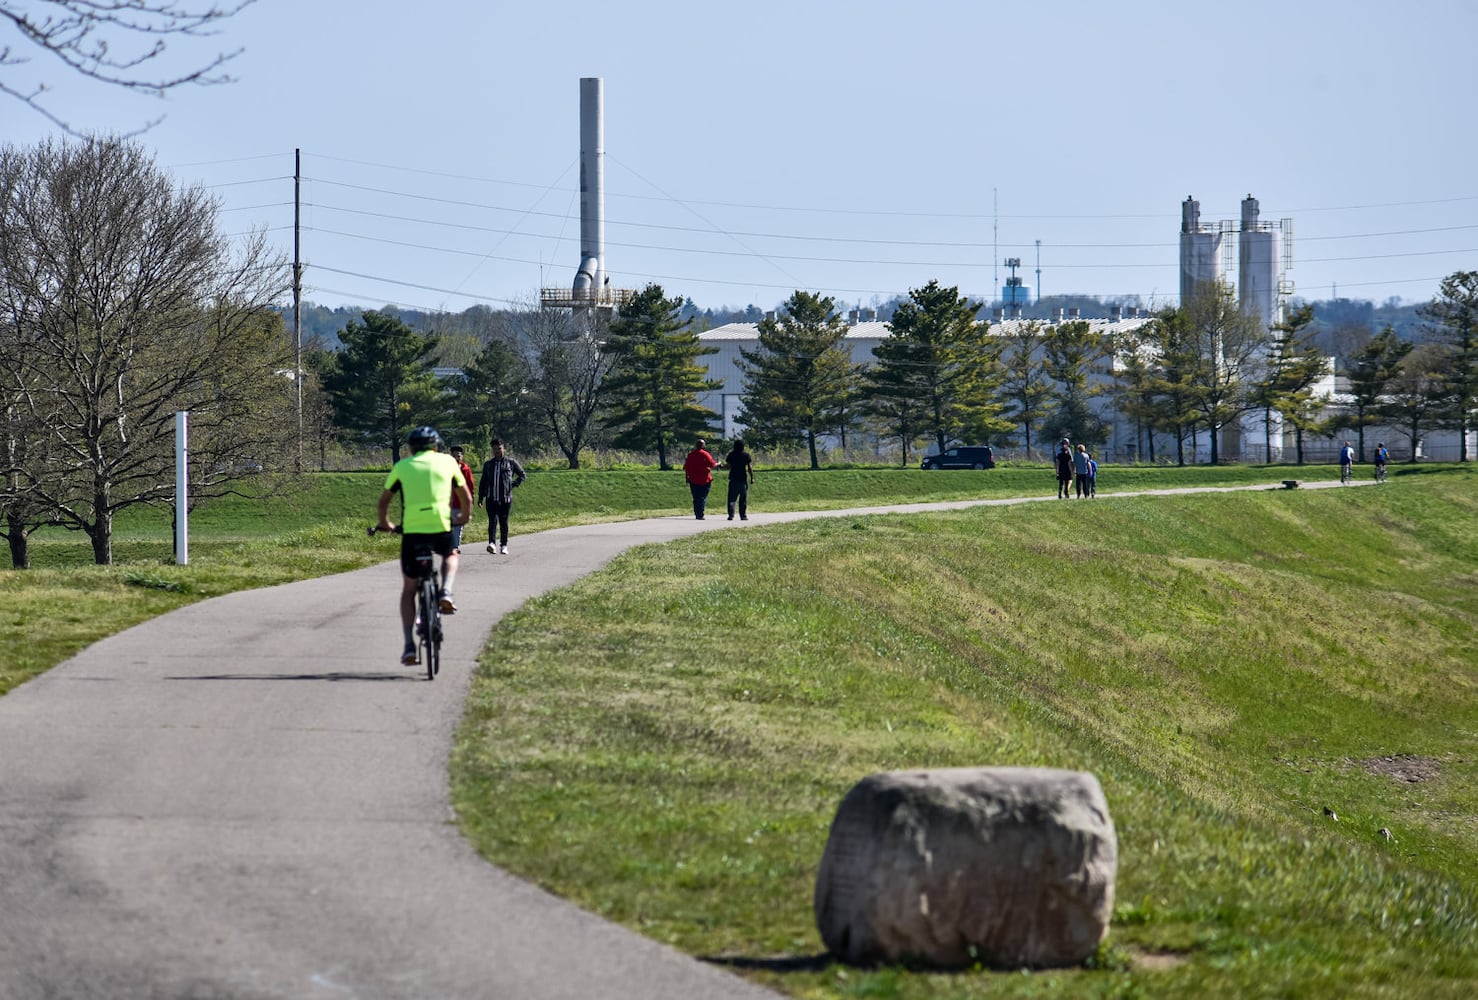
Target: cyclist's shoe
(409, 657)
(448, 606)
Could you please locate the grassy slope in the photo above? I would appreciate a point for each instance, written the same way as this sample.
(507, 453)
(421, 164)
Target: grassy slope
(665, 742)
(66, 602)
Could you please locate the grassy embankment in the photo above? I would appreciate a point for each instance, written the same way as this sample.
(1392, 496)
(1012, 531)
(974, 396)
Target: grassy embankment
(1228, 666)
(665, 742)
(65, 602)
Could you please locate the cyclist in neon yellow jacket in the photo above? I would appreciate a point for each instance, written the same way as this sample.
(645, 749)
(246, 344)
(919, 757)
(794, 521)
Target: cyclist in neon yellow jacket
(426, 481)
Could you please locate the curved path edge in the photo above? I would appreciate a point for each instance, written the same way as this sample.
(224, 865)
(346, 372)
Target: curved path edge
(247, 798)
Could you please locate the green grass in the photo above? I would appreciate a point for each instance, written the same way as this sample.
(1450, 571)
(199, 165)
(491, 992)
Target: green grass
(665, 742)
(66, 602)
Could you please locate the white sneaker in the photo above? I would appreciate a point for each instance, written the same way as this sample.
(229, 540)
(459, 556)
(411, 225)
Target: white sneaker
(503, 549)
(492, 549)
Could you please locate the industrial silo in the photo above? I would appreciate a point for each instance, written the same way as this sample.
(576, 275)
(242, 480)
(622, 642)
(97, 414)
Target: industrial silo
(1260, 265)
(1202, 258)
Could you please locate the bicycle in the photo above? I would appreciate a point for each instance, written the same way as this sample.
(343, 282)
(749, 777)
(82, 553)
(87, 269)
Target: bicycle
(427, 630)
(1380, 472)
(1346, 473)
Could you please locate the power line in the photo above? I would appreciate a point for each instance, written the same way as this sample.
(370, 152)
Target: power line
(753, 206)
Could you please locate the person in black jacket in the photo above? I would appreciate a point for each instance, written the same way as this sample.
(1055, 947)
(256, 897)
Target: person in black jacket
(499, 477)
(1064, 470)
(741, 474)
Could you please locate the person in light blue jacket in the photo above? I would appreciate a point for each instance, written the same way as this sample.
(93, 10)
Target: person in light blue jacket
(1082, 468)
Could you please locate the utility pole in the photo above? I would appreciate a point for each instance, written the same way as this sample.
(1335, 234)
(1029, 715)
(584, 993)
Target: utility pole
(995, 242)
(1039, 272)
(298, 295)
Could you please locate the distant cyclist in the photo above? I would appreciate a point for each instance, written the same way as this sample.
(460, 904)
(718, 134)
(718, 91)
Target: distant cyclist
(1346, 462)
(1381, 458)
(426, 481)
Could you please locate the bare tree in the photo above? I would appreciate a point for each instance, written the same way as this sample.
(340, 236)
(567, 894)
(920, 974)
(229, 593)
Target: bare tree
(124, 305)
(1233, 348)
(121, 43)
(569, 368)
(1418, 394)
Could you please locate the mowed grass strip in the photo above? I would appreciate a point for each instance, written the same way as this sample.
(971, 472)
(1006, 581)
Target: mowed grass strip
(665, 742)
(314, 526)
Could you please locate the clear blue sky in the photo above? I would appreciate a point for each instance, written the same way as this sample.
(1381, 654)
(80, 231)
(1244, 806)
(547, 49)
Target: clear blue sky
(854, 148)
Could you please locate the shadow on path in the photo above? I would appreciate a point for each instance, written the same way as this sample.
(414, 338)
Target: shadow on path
(793, 963)
(332, 676)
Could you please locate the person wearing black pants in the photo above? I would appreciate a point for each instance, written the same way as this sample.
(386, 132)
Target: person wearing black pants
(499, 477)
(698, 470)
(1064, 462)
(741, 473)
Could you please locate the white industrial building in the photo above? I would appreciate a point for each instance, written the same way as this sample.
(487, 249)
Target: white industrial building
(1263, 252)
(863, 337)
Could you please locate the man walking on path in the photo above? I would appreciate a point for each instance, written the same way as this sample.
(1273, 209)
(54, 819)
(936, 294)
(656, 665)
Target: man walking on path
(499, 477)
(741, 473)
(698, 470)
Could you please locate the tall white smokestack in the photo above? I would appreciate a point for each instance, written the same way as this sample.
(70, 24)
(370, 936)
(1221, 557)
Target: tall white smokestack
(591, 278)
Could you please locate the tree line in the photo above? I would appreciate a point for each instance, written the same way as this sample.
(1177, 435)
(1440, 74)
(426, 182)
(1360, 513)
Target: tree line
(122, 303)
(634, 380)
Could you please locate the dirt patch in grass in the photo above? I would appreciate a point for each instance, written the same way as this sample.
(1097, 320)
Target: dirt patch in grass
(1406, 767)
(1155, 961)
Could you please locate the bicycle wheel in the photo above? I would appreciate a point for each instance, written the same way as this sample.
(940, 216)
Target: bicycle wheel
(430, 626)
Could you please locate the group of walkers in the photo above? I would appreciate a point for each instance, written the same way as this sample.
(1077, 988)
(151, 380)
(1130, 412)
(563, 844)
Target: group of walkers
(698, 470)
(1075, 469)
(436, 492)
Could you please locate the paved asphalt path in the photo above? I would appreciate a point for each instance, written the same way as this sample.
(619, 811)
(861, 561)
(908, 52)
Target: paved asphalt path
(247, 798)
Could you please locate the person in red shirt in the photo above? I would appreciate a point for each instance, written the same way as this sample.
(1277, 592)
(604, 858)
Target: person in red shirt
(698, 468)
(466, 478)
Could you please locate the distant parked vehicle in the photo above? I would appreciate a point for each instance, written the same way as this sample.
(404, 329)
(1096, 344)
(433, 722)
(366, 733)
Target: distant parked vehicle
(962, 457)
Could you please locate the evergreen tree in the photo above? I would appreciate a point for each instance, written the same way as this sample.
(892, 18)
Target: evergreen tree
(1371, 368)
(653, 386)
(1025, 386)
(491, 400)
(381, 384)
(1453, 318)
(1171, 396)
(1134, 372)
(797, 380)
(1070, 351)
(939, 356)
(1292, 368)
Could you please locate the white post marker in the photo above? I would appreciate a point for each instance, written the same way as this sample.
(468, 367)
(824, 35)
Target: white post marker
(181, 487)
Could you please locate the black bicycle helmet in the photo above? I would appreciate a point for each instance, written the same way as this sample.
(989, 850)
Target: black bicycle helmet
(422, 438)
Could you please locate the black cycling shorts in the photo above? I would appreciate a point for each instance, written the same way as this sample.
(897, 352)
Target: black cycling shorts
(412, 545)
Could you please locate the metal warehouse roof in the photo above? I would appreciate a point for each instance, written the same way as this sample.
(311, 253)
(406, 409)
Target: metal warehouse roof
(879, 331)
